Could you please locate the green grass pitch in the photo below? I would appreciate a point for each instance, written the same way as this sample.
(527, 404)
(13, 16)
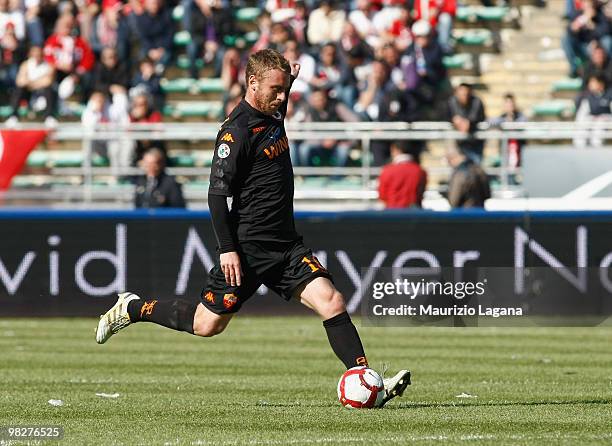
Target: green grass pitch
(272, 381)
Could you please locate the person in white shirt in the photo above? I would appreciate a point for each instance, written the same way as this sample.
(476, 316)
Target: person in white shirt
(325, 23)
(99, 111)
(35, 84)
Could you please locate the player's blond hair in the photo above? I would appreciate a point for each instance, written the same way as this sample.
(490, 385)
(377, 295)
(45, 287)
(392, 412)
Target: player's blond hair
(266, 60)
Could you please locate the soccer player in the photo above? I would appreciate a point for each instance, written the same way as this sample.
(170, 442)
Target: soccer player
(257, 240)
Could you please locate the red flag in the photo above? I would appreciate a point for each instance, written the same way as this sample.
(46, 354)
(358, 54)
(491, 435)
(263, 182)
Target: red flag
(15, 146)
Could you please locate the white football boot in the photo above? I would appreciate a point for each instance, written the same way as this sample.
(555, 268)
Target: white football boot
(114, 319)
(395, 386)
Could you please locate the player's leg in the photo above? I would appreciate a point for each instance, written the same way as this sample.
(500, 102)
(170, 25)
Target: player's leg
(321, 295)
(177, 314)
(207, 316)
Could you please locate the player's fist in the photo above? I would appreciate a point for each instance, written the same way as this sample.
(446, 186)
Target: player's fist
(230, 265)
(295, 69)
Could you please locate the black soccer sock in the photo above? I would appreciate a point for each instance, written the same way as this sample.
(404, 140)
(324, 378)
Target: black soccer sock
(176, 314)
(344, 340)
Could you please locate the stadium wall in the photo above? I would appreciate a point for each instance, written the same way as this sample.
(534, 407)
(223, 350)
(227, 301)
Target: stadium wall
(67, 263)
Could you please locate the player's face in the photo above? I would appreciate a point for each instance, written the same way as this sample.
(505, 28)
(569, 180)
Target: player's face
(271, 91)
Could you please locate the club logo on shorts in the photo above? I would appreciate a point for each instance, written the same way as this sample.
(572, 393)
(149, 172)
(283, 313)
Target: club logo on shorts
(229, 300)
(223, 151)
(209, 297)
(227, 137)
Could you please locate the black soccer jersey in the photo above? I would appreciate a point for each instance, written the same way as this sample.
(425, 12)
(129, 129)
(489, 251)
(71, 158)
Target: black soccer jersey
(252, 164)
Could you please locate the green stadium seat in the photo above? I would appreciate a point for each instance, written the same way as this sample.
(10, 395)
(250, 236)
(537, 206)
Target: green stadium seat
(181, 85)
(100, 161)
(37, 159)
(247, 14)
(458, 61)
(568, 84)
(554, 108)
(6, 110)
(210, 109)
(210, 85)
(68, 160)
(178, 12)
(183, 62)
(182, 161)
(476, 37)
(473, 14)
(182, 38)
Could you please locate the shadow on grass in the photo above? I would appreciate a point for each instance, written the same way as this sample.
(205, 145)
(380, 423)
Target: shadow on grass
(410, 405)
(417, 405)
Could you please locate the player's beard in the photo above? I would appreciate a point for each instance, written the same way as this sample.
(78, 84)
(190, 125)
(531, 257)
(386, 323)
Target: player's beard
(264, 103)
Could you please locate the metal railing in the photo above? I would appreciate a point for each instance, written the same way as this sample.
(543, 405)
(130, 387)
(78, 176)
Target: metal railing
(364, 132)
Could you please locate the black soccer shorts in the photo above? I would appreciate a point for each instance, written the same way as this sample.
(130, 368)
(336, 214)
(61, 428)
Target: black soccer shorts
(282, 267)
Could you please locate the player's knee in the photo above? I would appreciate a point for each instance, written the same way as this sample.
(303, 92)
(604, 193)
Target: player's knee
(207, 329)
(334, 305)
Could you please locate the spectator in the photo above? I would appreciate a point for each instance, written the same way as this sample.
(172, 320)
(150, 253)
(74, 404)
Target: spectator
(307, 63)
(110, 74)
(380, 100)
(468, 186)
(465, 112)
(146, 79)
(511, 114)
(402, 182)
(35, 84)
(388, 15)
(230, 70)
(594, 107)
(13, 17)
(424, 71)
(12, 52)
(299, 22)
(209, 22)
(328, 70)
(439, 14)
(110, 29)
(34, 26)
(156, 31)
(400, 33)
(156, 189)
(586, 26)
(350, 79)
(264, 27)
(325, 23)
(598, 65)
(323, 109)
(142, 111)
(71, 57)
(279, 36)
(362, 19)
(100, 110)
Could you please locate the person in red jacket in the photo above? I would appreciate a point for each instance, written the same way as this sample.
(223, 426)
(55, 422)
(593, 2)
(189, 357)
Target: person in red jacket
(70, 55)
(440, 15)
(402, 182)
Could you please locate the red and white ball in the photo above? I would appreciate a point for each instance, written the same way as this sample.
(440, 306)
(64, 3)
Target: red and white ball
(360, 388)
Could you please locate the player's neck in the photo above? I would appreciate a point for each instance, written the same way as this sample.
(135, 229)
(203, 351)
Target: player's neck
(250, 99)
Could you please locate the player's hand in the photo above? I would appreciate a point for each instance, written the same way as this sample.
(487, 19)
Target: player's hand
(295, 69)
(230, 265)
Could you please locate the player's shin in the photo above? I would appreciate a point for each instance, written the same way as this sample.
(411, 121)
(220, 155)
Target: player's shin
(344, 340)
(176, 314)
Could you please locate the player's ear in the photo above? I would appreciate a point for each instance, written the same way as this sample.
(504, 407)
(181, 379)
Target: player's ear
(253, 82)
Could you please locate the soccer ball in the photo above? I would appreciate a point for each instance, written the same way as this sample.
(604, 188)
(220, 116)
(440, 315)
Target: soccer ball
(360, 388)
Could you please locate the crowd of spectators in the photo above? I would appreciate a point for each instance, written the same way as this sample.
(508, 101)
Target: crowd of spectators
(361, 60)
(376, 60)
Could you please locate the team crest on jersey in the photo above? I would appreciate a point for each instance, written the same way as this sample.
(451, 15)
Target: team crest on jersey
(227, 137)
(229, 300)
(223, 151)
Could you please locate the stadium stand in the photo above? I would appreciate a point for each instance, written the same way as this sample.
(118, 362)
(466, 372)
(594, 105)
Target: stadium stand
(512, 47)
